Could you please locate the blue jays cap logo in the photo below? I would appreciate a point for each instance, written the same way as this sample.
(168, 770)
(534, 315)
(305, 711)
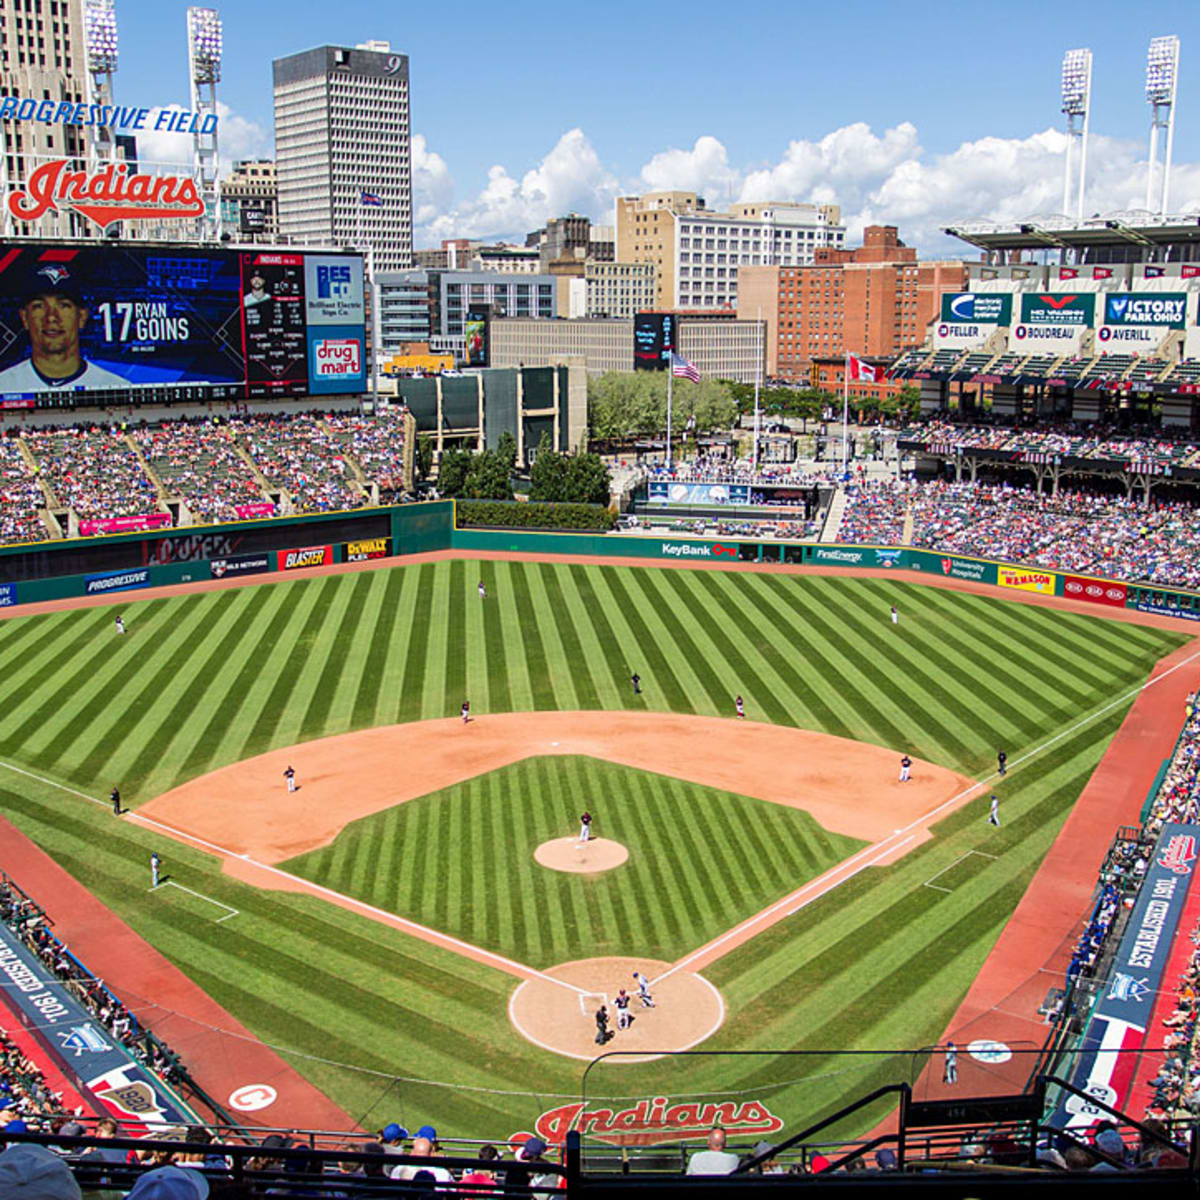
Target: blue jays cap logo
(55, 274)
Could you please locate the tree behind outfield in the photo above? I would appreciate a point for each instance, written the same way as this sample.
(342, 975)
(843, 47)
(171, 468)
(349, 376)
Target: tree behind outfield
(568, 478)
(483, 476)
(633, 404)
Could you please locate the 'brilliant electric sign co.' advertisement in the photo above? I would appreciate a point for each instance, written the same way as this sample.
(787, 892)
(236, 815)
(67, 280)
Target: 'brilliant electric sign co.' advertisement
(246, 323)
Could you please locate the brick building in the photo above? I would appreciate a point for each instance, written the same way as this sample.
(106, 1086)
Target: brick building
(874, 301)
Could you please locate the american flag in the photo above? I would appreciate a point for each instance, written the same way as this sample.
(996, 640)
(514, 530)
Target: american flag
(370, 199)
(682, 369)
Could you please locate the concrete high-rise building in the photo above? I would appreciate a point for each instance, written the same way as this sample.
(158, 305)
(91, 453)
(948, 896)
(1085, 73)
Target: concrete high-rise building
(874, 301)
(249, 202)
(697, 253)
(342, 150)
(44, 58)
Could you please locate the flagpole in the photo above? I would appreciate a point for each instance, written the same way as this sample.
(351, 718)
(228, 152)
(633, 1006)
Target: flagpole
(757, 381)
(845, 409)
(374, 330)
(670, 378)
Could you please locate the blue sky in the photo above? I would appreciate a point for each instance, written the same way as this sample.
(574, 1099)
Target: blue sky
(548, 106)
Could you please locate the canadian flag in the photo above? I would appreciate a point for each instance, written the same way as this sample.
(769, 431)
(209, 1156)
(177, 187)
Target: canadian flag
(859, 371)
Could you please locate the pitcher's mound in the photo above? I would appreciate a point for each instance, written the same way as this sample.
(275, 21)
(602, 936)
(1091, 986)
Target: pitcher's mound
(585, 858)
(558, 1011)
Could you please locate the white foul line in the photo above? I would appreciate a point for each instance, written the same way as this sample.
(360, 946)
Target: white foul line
(230, 911)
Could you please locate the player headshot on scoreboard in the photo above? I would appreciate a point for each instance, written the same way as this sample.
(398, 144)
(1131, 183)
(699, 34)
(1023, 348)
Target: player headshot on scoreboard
(54, 313)
(258, 289)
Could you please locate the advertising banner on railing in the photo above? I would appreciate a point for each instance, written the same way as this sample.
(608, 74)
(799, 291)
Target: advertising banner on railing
(84, 1050)
(1027, 579)
(671, 491)
(1097, 591)
(262, 508)
(951, 566)
(124, 524)
(1119, 1021)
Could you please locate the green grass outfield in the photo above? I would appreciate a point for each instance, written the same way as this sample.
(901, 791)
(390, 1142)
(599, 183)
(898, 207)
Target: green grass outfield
(700, 861)
(205, 680)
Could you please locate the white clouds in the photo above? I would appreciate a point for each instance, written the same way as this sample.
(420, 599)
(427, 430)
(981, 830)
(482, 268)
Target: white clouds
(883, 178)
(571, 178)
(237, 138)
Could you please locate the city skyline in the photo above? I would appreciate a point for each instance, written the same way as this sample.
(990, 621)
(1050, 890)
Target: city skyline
(906, 124)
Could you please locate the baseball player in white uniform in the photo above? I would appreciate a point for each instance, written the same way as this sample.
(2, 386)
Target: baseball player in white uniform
(643, 990)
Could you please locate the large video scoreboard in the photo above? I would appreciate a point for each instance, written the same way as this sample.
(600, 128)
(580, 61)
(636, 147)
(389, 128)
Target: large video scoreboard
(84, 324)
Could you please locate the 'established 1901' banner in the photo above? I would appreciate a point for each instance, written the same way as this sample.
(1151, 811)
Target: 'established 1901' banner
(85, 1050)
(1117, 1029)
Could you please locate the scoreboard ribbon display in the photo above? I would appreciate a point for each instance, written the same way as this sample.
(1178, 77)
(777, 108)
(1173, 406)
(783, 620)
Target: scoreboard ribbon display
(252, 323)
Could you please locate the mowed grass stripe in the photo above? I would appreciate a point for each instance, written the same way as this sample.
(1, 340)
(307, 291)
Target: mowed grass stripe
(646, 642)
(177, 733)
(455, 626)
(381, 621)
(673, 609)
(532, 647)
(553, 602)
(420, 617)
(600, 651)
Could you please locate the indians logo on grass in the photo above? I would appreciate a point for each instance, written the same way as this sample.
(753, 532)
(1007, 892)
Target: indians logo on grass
(650, 1121)
(1179, 854)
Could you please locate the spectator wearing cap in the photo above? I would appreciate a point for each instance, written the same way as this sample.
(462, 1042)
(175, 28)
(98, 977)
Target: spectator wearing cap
(1110, 1143)
(29, 1172)
(715, 1159)
(885, 1159)
(423, 1147)
(525, 1173)
(393, 1137)
(170, 1183)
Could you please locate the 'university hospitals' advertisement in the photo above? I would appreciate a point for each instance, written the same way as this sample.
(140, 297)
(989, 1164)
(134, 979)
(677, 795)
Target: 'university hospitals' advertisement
(1118, 1025)
(82, 1048)
(240, 324)
(1054, 322)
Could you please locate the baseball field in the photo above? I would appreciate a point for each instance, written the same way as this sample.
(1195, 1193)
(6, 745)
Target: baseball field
(391, 925)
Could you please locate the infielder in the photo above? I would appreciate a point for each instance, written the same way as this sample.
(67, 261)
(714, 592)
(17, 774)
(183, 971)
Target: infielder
(740, 705)
(120, 623)
(115, 797)
(155, 863)
(290, 776)
(585, 828)
(466, 711)
(994, 814)
(950, 1074)
(644, 990)
(905, 768)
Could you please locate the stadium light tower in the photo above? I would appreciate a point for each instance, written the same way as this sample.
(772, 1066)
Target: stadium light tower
(1076, 104)
(204, 62)
(1162, 75)
(100, 37)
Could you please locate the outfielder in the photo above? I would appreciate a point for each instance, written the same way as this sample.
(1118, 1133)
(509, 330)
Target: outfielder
(994, 814)
(466, 711)
(740, 705)
(482, 591)
(155, 863)
(895, 616)
(120, 623)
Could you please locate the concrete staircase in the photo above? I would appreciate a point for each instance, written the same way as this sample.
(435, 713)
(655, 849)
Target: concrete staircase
(833, 518)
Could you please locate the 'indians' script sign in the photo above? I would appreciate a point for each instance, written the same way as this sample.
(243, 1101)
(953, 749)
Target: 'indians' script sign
(656, 1120)
(110, 194)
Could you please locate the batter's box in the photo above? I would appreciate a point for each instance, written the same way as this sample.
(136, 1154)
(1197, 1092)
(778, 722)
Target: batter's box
(961, 870)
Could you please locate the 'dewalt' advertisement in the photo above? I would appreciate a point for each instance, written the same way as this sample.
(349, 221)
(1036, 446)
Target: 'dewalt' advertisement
(245, 323)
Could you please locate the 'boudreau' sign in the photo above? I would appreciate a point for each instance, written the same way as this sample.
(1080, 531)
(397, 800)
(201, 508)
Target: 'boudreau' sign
(108, 195)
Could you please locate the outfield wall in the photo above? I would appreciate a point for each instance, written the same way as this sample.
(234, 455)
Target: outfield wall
(131, 562)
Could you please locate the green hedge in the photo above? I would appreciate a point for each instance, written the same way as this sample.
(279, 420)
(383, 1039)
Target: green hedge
(496, 514)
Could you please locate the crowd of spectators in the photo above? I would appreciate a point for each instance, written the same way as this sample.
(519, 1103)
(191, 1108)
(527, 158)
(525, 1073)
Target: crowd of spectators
(21, 497)
(376, 444)
(1073, 531)
(1069, 439)
(298, 455)
(94, 471)
(200, 463)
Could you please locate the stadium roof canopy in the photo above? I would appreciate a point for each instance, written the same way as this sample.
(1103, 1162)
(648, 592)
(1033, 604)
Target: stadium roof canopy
(1136, 227)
